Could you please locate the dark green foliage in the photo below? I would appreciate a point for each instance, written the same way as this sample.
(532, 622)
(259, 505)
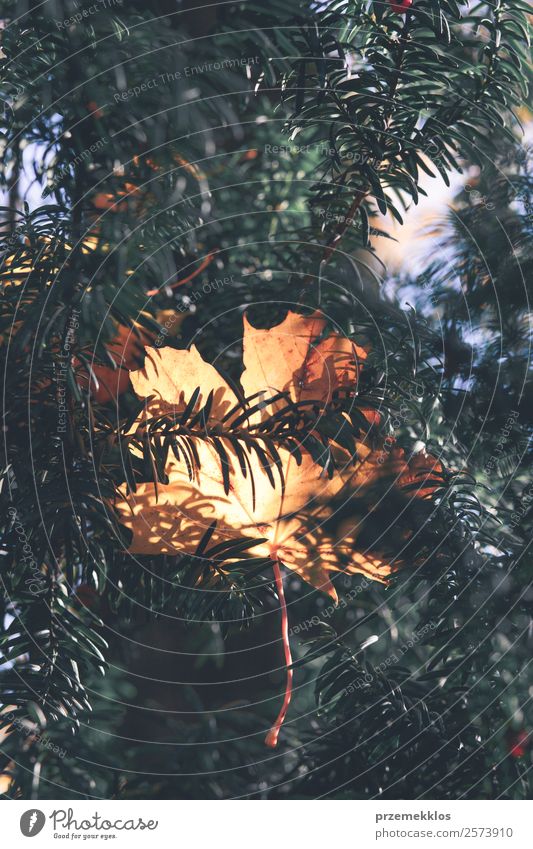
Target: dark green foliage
(295, 129)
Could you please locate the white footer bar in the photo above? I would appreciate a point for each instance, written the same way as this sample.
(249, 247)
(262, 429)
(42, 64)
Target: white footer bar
(268, 825)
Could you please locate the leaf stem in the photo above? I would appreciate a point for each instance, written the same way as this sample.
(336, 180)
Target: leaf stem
(271, 739)
(205, 262)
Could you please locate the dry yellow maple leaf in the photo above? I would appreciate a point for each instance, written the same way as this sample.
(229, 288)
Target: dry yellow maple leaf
(283, 502)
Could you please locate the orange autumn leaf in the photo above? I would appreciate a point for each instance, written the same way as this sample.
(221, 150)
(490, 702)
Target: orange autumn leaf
(6, 779)
(16, 269)
(126, 349)
(289, 358)
(108, 201)
(282, 503)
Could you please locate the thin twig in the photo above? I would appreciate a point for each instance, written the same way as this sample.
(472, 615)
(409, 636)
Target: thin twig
(271, 740)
